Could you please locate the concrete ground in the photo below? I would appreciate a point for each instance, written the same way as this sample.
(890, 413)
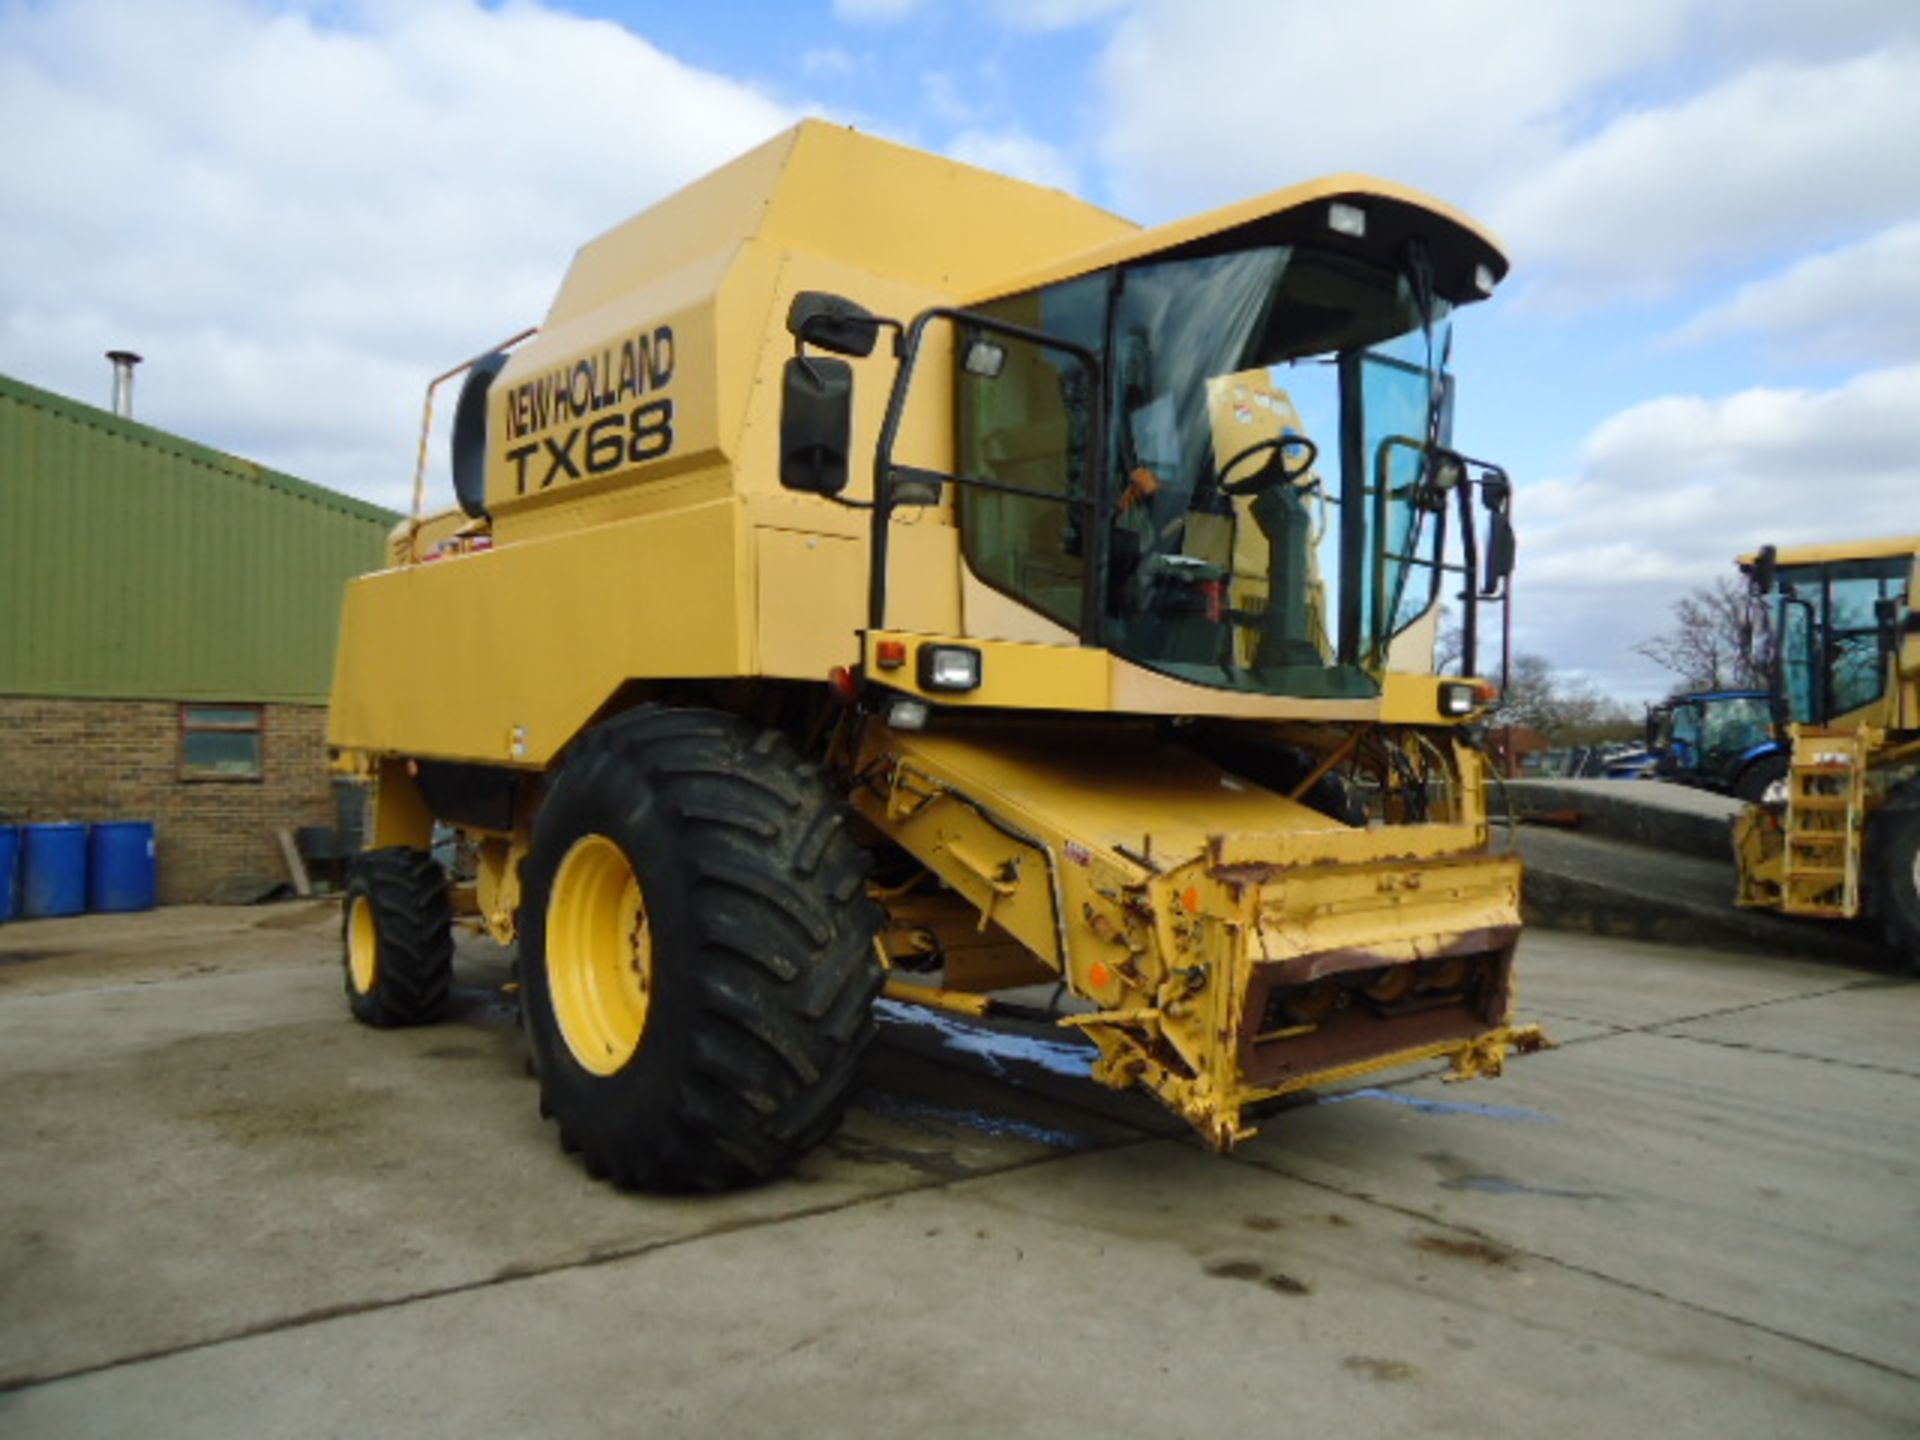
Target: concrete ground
(227, 1210)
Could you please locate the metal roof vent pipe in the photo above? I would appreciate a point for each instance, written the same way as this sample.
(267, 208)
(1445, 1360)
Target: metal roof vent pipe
(123, 363)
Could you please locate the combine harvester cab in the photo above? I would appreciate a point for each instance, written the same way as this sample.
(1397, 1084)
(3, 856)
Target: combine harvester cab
(1839, 837)
(880, 572)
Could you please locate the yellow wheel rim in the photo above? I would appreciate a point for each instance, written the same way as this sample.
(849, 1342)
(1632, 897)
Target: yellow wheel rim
(363, 945)
(599, 955)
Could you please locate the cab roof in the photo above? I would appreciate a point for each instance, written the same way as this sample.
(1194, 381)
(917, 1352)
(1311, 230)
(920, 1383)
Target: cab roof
(1299, 214)
(1839, 550)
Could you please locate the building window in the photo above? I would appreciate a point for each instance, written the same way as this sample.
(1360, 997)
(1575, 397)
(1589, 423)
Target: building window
(220, 742)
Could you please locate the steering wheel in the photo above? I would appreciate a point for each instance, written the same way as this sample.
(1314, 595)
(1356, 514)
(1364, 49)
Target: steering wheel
(1277, 471)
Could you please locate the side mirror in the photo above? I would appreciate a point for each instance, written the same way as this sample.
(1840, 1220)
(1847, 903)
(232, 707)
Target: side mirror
(469, 444)
(816, 424)
(832, 322)
(1500, 552)
(1762, 573)
(1496, 494)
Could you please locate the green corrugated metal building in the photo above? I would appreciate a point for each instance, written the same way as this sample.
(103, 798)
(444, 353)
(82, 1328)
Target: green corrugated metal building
(137, 565)
(168, 615)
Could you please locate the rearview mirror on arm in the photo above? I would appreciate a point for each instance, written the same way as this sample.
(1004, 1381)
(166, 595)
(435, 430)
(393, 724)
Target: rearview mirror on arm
(1496, 494)
(816, 424)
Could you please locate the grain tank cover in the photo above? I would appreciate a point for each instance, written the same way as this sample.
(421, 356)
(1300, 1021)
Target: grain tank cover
(645, 364)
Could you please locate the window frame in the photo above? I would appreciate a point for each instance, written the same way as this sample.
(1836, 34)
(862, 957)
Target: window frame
(189, 774)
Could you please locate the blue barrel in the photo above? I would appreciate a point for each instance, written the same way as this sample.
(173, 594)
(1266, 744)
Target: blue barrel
(9, 872)
(53, 870)
(120, 868)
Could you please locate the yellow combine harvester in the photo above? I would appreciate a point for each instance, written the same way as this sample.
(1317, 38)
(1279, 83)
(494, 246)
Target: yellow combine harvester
(1841, 838)
(878, 573)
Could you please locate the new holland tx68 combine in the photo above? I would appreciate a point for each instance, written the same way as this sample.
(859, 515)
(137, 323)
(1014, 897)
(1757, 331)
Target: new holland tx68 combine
(878, 573)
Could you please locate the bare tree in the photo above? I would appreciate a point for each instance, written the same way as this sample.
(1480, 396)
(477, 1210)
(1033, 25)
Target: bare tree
(1720, 640)
(1564, 709)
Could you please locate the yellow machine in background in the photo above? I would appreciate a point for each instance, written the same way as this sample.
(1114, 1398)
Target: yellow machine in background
(878, 573)
(1841, 839)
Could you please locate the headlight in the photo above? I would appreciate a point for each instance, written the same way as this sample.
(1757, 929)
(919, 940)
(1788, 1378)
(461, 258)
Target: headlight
(949, 667)
(1344, 218)
(907, 715)
(1457, 699)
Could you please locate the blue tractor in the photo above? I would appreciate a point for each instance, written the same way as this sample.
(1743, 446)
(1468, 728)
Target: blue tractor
(1723, 740)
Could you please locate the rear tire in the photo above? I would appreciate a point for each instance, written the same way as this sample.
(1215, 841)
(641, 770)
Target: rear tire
(1894, 855)
(697, 958)
(396, 932)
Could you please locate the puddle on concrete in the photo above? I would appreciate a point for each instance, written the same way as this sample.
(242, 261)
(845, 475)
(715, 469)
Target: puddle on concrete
(1461, 1247)
(1274, 1280)
(1375, 1367)
(29, 957)
(996, 1047)
(1501, 1185)
(1458, 1174)
(925, 1114)
(1427, 1106)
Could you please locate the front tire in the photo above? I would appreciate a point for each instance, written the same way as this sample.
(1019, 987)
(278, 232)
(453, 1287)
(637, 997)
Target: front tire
(397, 936)
(697, 958)
(1752, 784)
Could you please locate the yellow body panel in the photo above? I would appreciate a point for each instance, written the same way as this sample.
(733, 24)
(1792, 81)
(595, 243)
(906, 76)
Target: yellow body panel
(502, 656)
(1075, 677)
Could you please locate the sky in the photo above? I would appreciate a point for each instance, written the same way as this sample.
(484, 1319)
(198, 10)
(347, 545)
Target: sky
(300, 212)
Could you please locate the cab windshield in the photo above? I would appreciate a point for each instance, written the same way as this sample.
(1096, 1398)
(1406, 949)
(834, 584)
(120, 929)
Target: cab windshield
(1837, 624)
(1268, 412)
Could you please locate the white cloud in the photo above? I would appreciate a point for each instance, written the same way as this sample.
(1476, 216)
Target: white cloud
(828, 60)
(1619, 148)
(1056, 14)
(877, 12)
(1670, 490)
(1436, 95)
(943, 97)
(1859, 303)
(300, 216)
(1774, 160)
(1015, 153)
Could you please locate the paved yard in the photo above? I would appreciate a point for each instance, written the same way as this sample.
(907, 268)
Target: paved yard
(227, 1210)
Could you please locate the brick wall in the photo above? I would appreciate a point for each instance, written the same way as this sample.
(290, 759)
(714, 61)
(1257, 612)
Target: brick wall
(120, 760)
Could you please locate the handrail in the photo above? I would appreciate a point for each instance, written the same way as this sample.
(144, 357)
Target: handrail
(1093, 491)
(426, 431)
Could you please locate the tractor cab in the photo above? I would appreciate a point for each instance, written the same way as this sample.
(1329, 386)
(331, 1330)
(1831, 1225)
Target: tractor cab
(1720, 740)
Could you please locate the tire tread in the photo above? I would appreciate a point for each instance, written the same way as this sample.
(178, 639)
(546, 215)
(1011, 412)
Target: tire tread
(782, 949)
